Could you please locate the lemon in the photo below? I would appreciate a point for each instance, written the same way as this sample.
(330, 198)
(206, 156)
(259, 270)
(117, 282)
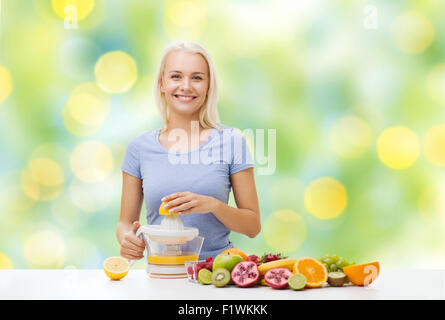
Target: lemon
(162, 210)
(116, 267)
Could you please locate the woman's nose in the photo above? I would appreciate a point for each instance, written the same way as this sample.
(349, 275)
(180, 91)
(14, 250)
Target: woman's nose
(186, 83)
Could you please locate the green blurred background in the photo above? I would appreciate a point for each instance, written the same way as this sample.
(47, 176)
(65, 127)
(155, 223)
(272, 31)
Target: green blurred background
(354, 89)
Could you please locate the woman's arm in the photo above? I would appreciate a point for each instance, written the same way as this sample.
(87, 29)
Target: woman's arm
(131, 203)
(246, 218)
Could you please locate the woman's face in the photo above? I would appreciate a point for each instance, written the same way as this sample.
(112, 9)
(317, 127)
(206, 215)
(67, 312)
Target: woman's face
(185, 82)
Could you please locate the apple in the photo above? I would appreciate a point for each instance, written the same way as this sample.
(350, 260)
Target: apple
(226, 261)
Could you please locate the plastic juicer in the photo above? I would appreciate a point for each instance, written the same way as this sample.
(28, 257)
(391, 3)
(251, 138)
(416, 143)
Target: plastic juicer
(169, 245)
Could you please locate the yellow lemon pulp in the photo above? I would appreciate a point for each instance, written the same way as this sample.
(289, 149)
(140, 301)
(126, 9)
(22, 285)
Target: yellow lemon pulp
(116, 267)
(186, 256)
(163, 211)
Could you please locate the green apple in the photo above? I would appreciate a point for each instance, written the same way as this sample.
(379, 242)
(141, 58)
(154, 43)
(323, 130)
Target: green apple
(226, 261)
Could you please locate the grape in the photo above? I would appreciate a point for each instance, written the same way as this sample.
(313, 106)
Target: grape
(341, 263)
(333, 267)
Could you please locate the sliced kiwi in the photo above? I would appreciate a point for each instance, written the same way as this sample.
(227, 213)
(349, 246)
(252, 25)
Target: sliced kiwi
(336, 279)
(220, 277)
(205, 276)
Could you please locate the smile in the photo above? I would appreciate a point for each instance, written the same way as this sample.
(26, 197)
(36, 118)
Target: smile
(184, 98)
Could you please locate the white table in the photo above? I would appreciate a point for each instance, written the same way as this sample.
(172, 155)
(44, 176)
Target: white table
(93, 284)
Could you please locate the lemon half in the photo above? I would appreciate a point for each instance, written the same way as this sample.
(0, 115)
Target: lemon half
(116, 267)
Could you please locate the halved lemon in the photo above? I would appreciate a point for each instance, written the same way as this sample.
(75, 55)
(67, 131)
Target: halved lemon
(116, 267)
(162, 210)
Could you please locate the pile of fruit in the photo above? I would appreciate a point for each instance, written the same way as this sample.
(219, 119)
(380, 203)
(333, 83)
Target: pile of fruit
(233, 266)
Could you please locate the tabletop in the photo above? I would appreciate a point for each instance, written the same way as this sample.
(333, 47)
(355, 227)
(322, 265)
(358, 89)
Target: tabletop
(70, 284)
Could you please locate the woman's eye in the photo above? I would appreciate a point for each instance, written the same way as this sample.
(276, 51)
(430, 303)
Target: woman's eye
(197, 78)
(175, 76)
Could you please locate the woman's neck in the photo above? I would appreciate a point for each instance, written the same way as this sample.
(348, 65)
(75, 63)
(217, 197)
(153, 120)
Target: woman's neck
(190, 125)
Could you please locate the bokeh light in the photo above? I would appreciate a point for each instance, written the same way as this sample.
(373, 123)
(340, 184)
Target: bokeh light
(178, 21)
(86, 109)
(350, 137)
(5, 84)
(42, 179)
(12, 197)
(88, 105)
(115, 72)
(325, 198)
(412, 32)
(92, 197)
(431, 204)
(398, 147)
(434, 145)
(5, 262)
(45, 249)
(83, 7)
(436, 83)
(91, 161)
(284, 231)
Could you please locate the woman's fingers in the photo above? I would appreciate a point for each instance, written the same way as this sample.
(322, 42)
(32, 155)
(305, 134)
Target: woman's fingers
(186, 206)
(130, 255)
(134, 241)
(175, 195)
(178, 201)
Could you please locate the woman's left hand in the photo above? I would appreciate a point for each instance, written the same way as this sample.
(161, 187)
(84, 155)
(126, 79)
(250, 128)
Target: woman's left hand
(189, 202)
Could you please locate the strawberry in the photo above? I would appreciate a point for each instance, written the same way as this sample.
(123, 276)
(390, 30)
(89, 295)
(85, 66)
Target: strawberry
(253, 258)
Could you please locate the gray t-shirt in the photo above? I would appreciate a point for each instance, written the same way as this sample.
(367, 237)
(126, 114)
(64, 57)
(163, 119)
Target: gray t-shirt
(205, 170)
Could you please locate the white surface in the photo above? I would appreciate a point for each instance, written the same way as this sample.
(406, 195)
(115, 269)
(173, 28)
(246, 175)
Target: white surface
(93, 284)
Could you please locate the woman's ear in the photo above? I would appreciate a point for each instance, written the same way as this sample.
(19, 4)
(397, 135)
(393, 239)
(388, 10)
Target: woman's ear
(161, 85)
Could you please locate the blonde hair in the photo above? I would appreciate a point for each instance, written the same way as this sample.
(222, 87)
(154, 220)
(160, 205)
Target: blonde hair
(208, 114)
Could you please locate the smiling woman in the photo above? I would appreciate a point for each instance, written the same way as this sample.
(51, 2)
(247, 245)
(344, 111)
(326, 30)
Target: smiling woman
(186, 94)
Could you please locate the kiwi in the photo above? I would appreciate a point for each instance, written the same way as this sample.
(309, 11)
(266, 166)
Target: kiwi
(336, 279)
(205, 276)
(220, 277)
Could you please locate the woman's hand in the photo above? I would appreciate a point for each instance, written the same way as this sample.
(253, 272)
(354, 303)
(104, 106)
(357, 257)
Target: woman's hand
(131, 246)
(189, 202)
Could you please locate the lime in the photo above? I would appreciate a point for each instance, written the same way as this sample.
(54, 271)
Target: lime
(205, 276)
(297, 281)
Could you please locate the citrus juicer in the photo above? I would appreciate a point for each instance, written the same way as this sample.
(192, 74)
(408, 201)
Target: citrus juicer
(169, 245)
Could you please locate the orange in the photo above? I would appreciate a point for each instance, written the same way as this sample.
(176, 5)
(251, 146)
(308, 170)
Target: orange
(315, 272)
(235, 251)
(362, 274)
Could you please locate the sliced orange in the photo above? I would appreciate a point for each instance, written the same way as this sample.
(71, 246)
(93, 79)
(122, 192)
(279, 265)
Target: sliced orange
(315, 272)
(362, 274)
(235, 251)
(116, 267)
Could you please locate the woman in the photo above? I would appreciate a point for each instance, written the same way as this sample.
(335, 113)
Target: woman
(196, 185)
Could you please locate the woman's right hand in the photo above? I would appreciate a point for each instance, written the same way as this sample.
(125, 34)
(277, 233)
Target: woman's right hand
(131, 246)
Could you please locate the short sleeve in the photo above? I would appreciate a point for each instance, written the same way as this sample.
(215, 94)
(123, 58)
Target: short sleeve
(241, 155)
(131, 164)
